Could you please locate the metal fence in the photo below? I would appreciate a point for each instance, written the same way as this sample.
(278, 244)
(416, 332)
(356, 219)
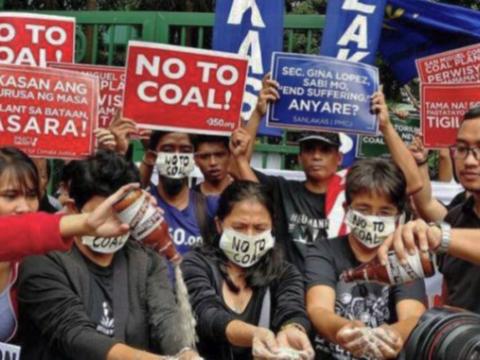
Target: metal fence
(102, 38)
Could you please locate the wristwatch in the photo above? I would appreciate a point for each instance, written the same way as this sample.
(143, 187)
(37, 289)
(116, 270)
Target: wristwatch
(445, 239)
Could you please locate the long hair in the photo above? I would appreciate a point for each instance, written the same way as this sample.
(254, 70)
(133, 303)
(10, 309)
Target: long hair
(21, 167)
(269, 267)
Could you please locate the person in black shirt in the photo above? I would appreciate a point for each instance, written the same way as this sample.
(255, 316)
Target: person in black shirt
(311, 210)
(107, 298)
(458, 249)
(376, 199)
(248, 301)
(212, 157)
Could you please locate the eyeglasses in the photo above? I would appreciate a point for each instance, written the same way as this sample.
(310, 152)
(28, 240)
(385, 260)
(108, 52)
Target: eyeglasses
(461, 151)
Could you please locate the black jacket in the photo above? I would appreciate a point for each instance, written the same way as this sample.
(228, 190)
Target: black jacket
(53, 293)
(287, 304)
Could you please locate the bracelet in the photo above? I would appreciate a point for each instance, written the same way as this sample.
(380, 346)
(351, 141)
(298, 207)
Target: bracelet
(422, 162)
(295, 325)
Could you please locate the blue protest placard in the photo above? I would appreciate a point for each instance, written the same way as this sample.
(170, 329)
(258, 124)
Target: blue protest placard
(323, 93)
(253, 28)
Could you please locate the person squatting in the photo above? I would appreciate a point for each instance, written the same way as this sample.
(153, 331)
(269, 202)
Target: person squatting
(245, 265)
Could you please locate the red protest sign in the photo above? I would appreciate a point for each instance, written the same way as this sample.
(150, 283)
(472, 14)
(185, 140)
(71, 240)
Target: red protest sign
(451, 67)
(48, 112)
(111, 83)
(443, 107)
(34, 40)
(184, 89)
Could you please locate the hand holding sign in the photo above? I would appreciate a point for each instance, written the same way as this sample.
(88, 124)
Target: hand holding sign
(122, 129)
(268, 94)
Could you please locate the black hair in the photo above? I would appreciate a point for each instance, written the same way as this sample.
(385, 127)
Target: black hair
(377, 175)
(472, 113)
(156, 136)
(269, 267)
(23, 168)
(201, 139)
(99, 175)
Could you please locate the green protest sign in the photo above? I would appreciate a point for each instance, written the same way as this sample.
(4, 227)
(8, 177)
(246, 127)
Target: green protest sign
(374, 146)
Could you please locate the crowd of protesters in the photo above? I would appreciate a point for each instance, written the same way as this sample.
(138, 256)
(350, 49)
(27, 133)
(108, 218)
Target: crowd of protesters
(262, 255)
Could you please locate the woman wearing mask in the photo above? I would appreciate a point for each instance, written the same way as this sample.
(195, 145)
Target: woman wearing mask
(24, 233)
(248, 301)
(108, 298)
(359, 320)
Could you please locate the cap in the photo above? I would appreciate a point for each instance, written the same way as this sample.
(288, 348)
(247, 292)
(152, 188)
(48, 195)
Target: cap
(326, 137)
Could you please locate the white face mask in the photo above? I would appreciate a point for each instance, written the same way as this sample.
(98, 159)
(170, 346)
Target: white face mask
(371, 230)
(175, 165)
(104, 245)
(245, 250)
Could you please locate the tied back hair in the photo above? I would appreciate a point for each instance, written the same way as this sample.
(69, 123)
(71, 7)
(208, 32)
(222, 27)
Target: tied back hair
(269, 267)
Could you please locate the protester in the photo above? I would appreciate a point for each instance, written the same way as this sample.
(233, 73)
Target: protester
(247, 299)
(23, 234)
(212, 157)
(47, 203)
(107, 298)
(457, 250)
(375, 196)
(312, 209)
(188, 213)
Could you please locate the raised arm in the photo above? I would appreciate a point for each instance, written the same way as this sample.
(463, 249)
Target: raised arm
(429, 208)
(399, 151)
(268, 93)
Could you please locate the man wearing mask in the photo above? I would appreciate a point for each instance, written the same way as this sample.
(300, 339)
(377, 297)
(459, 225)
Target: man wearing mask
(106, 299)
(375, 203)
(311, 210)
(188, 213)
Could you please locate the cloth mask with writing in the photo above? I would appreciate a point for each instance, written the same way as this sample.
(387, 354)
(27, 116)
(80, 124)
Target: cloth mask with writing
(245, 250)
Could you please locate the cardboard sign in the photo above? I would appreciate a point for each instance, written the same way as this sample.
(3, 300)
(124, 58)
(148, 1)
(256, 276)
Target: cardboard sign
(443, 107)
(34, 40)
(184, 89)
(374, 146)
(48, 112)
(322, 93)
(112, 84)
(451, 67)
(9, 352)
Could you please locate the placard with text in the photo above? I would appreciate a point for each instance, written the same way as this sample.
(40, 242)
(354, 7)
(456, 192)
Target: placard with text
(111, 83)
(323, 93)
(184, 89)
(35, 40)
(451, 67)
(443, 108)
(48, 112)
(374, 146)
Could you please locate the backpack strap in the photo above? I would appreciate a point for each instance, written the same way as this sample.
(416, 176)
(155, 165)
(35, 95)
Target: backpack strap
(265, 313)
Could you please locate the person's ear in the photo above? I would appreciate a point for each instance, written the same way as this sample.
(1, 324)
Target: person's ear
(345, 206)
